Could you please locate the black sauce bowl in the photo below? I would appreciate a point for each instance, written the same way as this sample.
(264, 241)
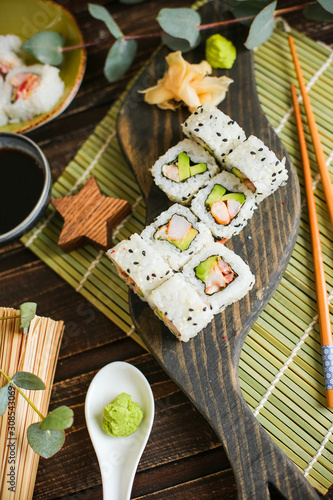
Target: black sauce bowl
(25, 145)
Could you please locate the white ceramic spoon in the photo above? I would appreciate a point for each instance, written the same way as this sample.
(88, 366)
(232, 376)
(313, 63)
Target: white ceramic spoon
(118, 457)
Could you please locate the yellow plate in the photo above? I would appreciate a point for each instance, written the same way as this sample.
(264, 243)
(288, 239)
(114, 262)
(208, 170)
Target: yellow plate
(25, 18)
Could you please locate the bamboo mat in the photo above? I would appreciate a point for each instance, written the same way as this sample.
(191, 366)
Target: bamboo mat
(35, 352)
(280, 369)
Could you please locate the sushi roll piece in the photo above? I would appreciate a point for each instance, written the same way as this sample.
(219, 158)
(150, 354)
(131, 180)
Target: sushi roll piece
(213, 130)
(139, 265)
(219, 275)
(10, 46)
(257, 167)
(3, 115)
(31, 90)
(183, 170)
(176, 234)
(225, 205)
(180, 307)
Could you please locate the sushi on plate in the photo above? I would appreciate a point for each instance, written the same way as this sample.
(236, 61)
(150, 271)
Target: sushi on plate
(225, 205)
(177, 234)
(219, 275)
(10, 46)
(142, 268)
(183, 170)
(179, 306)
(213, 130)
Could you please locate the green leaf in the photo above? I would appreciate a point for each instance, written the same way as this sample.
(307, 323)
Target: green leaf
(179, 43)
(102, 14)
(262, 27)
(317, 13)
(180, 23)
(27, 380)
(327, 5)
(46, 47)
(241, 8)
(119, 59)
(4, 399)
(45, 443)
(27, 312)
(60, 418)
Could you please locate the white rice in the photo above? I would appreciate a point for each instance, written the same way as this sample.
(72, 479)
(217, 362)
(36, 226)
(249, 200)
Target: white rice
(213, 130)
(232, 184)
(180, 307)
(184, 191)
(137, 262)
(260, 165)
(234, 291)
(10, 43)
(3, 116)
(173, 255)
(41, 99)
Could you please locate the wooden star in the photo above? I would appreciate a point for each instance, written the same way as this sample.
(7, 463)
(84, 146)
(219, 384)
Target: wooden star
(89, 217)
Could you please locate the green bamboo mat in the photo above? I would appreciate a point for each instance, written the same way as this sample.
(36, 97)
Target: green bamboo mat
(280, 369)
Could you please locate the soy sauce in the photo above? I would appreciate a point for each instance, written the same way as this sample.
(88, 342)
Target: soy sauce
(21, 184)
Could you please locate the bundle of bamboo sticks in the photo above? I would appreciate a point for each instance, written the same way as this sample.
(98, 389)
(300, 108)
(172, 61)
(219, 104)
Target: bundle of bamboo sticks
(37, 353)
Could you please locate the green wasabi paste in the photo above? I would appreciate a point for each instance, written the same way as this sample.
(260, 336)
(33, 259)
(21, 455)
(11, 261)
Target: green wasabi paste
(220, 52)
(122, 416)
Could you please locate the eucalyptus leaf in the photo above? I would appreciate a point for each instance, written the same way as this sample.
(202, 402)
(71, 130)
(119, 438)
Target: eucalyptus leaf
(327, 5)
(46, 47)
(27, 380)
(4, 399)
(317, 13)
(45, 443)
(179, 43)
(27, 313)
(102, 14)
(242, 8)
(60, 418)
(180, 23)
(262, 27)
(119, 59)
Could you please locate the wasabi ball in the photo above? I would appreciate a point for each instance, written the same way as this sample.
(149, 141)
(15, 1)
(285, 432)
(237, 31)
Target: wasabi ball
(220, 52)
(122, 416)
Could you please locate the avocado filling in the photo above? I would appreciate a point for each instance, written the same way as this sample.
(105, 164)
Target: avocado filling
(215, 273)
(223, 205)
(181, 169)
(178, 231)
(243, 179)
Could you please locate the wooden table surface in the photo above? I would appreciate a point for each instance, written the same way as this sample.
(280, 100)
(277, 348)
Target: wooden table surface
(183, 458)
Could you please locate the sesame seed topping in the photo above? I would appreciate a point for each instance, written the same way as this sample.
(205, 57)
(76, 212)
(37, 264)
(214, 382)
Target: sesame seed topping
(184, 198)
(239, 137)
(189, 318)
(276, 163)
(128, 271)
(130, 250)
(195, 112)
(153, 274)
(190, 309)
(252, 152)
(147, 278)
(194, 324)
(230, 151)
(218, 133)
(201, 109)
(166, 274)
(263, 159)
(143, 252)
(225, 140)
(205, 308)
(135, 263)
(211, 116)
(185, 124)
(200, 124)
(280, 172)
(260, 149)
(196, 130)
(274, 174)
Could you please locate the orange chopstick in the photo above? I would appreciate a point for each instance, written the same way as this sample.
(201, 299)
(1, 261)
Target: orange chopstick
(322, 301)
(324, 174)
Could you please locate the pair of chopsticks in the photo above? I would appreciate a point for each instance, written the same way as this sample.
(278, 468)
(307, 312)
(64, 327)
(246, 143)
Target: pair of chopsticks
(322, 301)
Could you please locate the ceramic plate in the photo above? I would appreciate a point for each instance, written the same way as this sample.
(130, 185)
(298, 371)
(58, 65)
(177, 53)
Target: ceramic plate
(25, 18)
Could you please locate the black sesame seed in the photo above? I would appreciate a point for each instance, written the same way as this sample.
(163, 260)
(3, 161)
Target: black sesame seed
(143, 252)
(218, 133)
(185, 124)
(276, 163)
(231, 122)
(191, 253)
(237, 225)
(260, 149)
(230, 151)
(194, 324)
(135, 263)
(166, 313)
(190, 309)
(189, 318)
(130, 250)
(280, 172)
(147, 278)
(225, 140)
(238, 137)
(205, 309)
(184, 198)
(196, 130)
(201, 109)
(200, 124)
(273, 175)
(252, 152)
(211, 116)
(263, 159)
(154, 275)
(195, 112)
(211, 307)
(223, 154)
(166, 274)
(259, 193)
(128, 271)
(273, 180)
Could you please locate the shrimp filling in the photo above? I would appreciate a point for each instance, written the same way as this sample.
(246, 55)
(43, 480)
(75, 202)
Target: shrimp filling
(178, 231)
(23, 85)
(223, 205)
(182, 168)
(215, 273)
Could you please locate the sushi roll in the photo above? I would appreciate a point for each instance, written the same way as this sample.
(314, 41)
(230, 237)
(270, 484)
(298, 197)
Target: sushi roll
(257, 167)
(225, 205)
(3, 116)
(180, 307)
(10, 46)
(213, 130)
(219, 275)
(176, 234)
(31, 90)
(139, 265)
(183, 170)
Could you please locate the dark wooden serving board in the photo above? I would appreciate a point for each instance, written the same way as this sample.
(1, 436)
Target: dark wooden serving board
(206, 368)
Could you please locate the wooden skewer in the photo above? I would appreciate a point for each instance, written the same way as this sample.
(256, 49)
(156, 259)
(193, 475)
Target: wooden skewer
(322, 301)
(324, 174)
